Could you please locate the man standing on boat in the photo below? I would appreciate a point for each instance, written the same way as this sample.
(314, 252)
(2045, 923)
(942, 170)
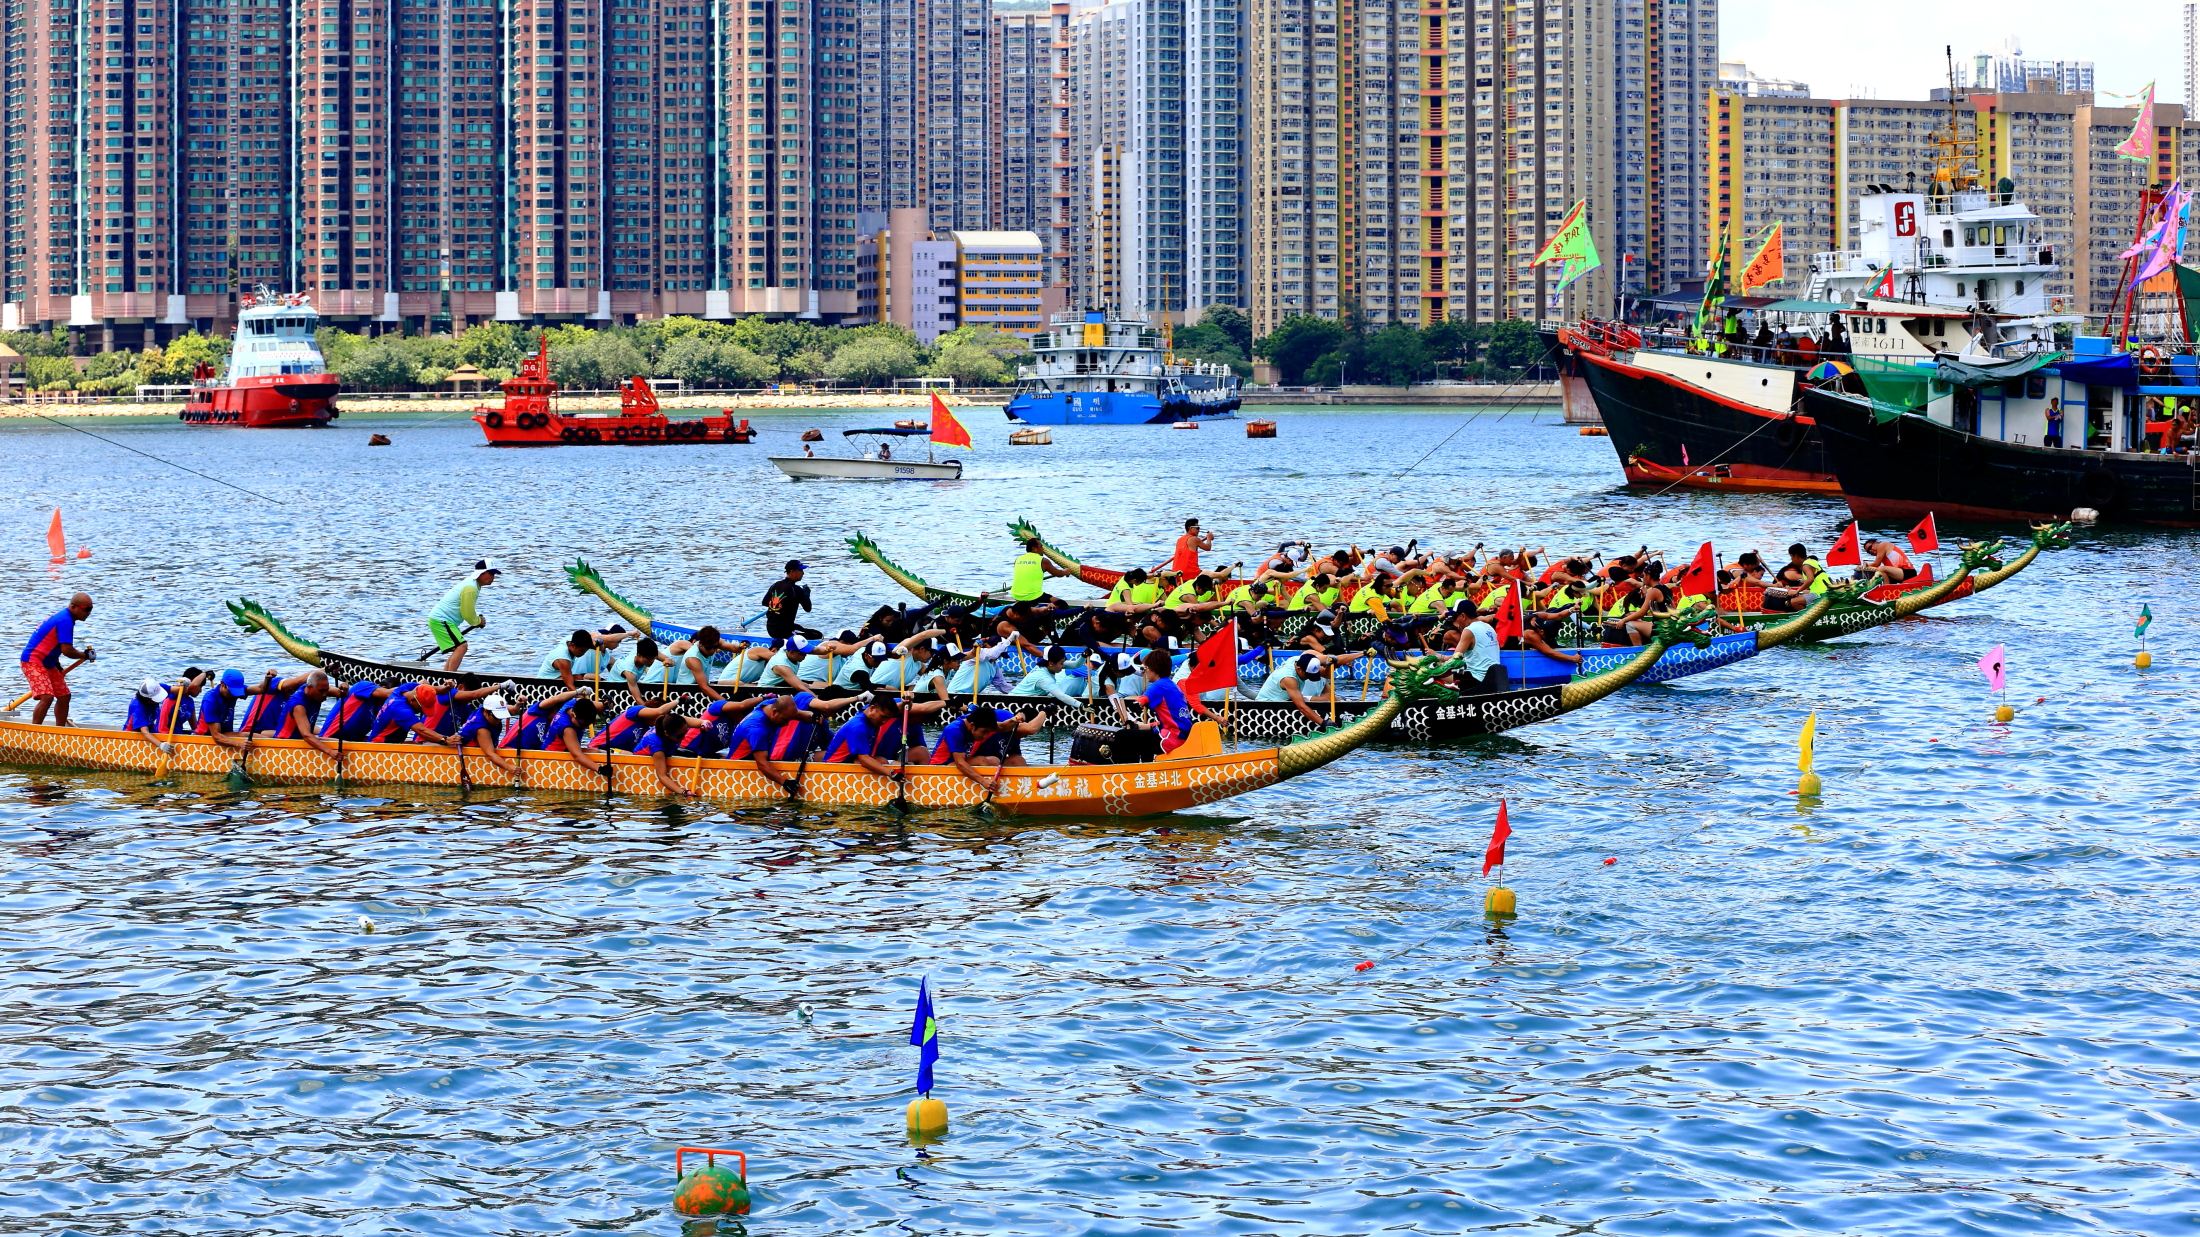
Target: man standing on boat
(54, 640)
(459, 613)
(784, 601)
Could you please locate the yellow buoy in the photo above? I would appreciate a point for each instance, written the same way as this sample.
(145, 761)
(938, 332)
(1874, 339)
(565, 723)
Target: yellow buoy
(1498, 903)
(1808, 784)
(2143, 660)
(927, 1116)
(2003, 713)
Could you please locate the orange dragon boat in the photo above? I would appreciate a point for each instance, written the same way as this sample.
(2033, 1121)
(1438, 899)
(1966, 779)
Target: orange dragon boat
(529, 416)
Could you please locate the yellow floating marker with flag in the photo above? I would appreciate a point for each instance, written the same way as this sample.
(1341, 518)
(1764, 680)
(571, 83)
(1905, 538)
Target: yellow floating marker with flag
(1995, 667)
(2146, 620)
(927, 1116)
(1499, 902)
(1806, 744)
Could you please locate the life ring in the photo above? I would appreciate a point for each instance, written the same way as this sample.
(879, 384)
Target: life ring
(655, 433)
(594, 434)
(1789, 433)
(2099, 488)
(495, 420)
(569, 434)
(2152, 360)
(618, 433)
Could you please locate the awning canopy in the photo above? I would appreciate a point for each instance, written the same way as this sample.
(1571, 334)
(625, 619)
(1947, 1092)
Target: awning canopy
(895, 431)
(1954, 371)
(2115, 370)
(1807, 307)
(1749, 302)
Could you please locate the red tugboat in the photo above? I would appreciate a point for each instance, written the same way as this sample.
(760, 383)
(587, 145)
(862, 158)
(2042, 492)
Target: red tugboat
(529, 419)
(276, 378)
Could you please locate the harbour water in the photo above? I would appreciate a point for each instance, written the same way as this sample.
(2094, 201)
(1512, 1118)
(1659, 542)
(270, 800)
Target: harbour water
(1955, 996)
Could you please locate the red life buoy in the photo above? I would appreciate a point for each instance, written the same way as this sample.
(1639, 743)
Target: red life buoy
(495, 420)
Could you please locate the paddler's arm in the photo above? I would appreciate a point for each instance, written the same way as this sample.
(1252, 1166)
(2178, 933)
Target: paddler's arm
(1299, 700)
(570, 740)
(467, 599)
(770, 770)
(564, 667)
(425, 733)
(304, 726)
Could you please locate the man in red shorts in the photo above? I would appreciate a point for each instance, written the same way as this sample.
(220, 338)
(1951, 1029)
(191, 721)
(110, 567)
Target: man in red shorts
(54, 640)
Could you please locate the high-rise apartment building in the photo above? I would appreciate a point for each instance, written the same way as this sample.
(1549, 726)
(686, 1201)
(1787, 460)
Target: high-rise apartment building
(2006, 70)
(1033, 156)
(416, 162)
(1805, 162)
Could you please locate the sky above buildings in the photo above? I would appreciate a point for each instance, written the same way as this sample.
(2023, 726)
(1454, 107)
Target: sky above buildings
(1893, 50)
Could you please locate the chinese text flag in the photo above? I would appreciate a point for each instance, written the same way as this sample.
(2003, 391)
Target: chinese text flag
(56, 544)
(1700, 577)
(1846, 552)
(1885, 286)
(1214, 663)
(1768, 266)
(1925, 538)
(1495, 856)
(946, 430)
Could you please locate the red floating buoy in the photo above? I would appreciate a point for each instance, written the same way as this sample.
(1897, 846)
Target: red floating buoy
(1364, 966)
(1609, 862)
(710, 1190)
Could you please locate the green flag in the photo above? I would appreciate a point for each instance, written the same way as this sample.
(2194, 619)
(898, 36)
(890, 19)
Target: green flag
(1572, 246)
(1714, 286)
(2146, 616)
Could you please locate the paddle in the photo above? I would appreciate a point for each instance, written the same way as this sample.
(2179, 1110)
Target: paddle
(19, 700)
(432, 651)
(794, 784)
(161, 764)
(901, 780)
(465, 781)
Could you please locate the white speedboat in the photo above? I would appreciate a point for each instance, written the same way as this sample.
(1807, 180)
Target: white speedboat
(882, 464)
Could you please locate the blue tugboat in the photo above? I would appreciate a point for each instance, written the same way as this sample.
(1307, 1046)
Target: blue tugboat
(1090, 369)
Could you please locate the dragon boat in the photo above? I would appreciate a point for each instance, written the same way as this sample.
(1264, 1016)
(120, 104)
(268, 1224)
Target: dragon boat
(1198, 773)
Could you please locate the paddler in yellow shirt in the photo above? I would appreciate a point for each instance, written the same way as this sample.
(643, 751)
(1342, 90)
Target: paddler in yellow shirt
(1375, 597)
(1028, 577)
(1319, 593)
(1134, 593)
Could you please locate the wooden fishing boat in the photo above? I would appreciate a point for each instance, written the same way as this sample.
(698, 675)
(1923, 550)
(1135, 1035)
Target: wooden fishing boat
(1199, 773)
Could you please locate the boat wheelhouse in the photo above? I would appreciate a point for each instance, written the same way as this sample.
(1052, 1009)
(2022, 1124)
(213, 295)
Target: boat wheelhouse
(1092, 369)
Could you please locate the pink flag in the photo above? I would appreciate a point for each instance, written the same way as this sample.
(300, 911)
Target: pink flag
(2140, 145)
(1991, 666)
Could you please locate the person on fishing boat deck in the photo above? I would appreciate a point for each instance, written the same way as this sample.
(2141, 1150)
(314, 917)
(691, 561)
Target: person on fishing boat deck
(1888, 562)
(159, 710)
(1797, 581)
(874, 738)
(218, 713)
(1185, 562)
(459, 610)
(784, 729)
(583, 652)
(785, 602)
(54, 640)
(1028, 575)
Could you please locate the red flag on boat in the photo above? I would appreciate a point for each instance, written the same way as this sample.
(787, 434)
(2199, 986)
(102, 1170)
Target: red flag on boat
(1925, 538)
(1700, 577)
(1506, 622)
(1846, 552)
(946, 430)
(56, 544)
(1885, 286)
(1494, 857)
(1214, 663)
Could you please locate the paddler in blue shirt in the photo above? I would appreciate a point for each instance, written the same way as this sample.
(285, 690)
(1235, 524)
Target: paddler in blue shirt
(296, 716)
(460, 609)
(160, 710)
(218, 714)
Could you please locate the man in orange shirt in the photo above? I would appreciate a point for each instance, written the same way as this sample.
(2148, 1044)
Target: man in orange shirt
(1188, 547)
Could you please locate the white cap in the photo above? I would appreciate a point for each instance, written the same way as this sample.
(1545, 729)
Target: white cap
(487, 564)
(495, 707)
(877, 649)
(153, 690)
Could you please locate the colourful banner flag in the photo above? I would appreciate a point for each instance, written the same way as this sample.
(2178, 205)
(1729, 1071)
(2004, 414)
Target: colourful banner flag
(924, 1032)
(2146, 619)
(1991, 666)
(1570, 241)
(1700, 578)
(1769, 265)
(1714, 286)
(1507, 623)
(946, 430)
(2140, 145)
(1494, 857)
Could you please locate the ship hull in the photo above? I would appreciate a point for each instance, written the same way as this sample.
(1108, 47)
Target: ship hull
(287, 401)
(1669, 433)
(549, 429)
(1110, 408)
(1906, 468)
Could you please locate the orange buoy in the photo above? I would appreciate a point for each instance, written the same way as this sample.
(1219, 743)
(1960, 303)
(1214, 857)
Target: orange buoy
(710, 1190)
(1595, 431)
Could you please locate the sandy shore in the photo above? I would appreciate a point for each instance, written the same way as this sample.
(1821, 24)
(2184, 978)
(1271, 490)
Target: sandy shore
(365, 405)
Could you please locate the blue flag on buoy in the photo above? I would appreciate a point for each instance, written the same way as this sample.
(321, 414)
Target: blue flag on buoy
(924, 1032)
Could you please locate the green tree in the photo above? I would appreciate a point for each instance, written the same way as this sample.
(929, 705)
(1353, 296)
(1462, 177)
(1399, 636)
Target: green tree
(380, 364)
(50, 373)
(1394, 356)
(1233, 323)
(31, 343)
(775, 339)
(700, 361)
(1512, 344)
(1296, 343)
(492, 345)
(1327, 370)
(337, 346)
(872, 360)
(1209, 340)
(594, 360)
(806, 364)
(181, 358)
(1450, 342)
(111, 365)
(968, 364)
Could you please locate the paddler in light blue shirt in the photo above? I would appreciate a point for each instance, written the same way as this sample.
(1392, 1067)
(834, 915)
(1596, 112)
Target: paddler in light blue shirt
(747, 668)
(459, 609)
(582, 653)
(1047, 679)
